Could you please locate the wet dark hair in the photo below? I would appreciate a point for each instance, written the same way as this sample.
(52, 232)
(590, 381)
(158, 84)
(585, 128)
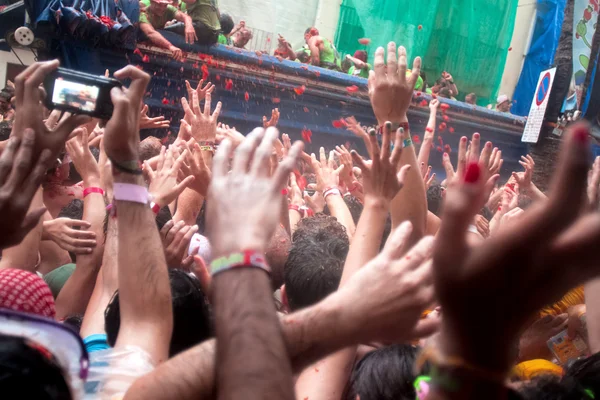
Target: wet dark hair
(163, 216)
(28, 372)
(74, 322)
(226, 23)
(385, 374)
(191, 314)
(314, 266)
(354, 205)
(5, 129)
(435, 199)
(73, 210)
(581, 376)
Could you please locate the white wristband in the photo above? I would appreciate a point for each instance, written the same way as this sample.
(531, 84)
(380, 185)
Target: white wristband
(332, 191)
(131, 192)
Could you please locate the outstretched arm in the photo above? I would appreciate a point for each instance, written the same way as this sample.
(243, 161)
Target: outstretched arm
(425, 150)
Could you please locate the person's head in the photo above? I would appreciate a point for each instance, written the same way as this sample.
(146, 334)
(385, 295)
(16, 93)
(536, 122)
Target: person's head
(5, 129)
(580, 381)
(191, 314)
(276, 255)
(361, 55)
(226, 22)
(346, 65)
(435, 198)
(26, 292)
(471, 98)
(30, 370)
(314, 266)
(445, 93)
(354, 206)
(159, 7)
(385, 374)
(310, 32)
(73, 210)
(149, 147)
(5, 96)
(242, 37)
(503, 103)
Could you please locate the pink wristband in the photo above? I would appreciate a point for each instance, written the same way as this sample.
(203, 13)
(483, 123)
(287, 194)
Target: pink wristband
(131, 192)
(92, 189)
(332, 191)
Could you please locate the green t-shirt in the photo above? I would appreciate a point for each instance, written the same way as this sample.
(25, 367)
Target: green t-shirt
(224, 40)
(361, 73)
(157, 21)
(205, 11)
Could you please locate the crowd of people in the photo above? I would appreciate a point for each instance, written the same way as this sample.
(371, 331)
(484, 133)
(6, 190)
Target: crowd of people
(200, 21)
(238, 266)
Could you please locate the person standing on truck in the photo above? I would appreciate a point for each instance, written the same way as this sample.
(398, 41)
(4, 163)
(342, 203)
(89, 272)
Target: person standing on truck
(360, 68)
(205, 20)
(322, 52)
(154, 15)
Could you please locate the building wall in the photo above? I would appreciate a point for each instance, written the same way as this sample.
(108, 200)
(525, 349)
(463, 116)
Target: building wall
(524, 22)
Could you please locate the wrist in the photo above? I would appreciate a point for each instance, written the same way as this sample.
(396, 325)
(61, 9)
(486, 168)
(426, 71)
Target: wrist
(92, 181)
(377, 203)
(399, 119)
(45, 230)
(129, 178)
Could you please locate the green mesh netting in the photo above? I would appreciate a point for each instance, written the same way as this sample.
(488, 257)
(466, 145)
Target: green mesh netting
(468, 38)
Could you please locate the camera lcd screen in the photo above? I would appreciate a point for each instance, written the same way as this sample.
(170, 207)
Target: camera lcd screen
(75, 94)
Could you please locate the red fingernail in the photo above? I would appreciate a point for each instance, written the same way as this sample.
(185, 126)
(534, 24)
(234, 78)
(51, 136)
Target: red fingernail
(581, 134)
(472, 174)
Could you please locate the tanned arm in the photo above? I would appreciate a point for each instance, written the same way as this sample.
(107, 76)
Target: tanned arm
(425, 150)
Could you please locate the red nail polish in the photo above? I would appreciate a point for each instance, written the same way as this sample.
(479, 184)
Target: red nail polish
(472, 174)
(581, 134)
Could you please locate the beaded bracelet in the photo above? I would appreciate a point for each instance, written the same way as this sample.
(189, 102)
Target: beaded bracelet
(244, 259)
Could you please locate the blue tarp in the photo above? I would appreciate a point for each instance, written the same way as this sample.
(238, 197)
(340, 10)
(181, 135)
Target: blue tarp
(548, 24)
(100, 22)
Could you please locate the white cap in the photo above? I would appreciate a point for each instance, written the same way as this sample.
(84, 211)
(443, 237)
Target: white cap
(502, 98)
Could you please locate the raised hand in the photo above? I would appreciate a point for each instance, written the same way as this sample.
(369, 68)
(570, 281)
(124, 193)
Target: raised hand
(226, 132)
(21, 174)
(390, 293)
(428, 177)
(549, 250)
(122, 134)
(316, 202)
(244, 205)
(346, 159)
(194, 165)
(390, 90)
(203, 124)
(524, 179)
(163, 182)
(328, 174)
(434, 104)
(274, 119)
(61, 231)
(294, 192)
(176, 238)
(200, 90)
(152, 123)
(79, 150)
(30, 111)
(381, 179)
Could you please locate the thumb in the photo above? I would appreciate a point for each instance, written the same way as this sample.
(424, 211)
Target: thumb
(203, 274)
